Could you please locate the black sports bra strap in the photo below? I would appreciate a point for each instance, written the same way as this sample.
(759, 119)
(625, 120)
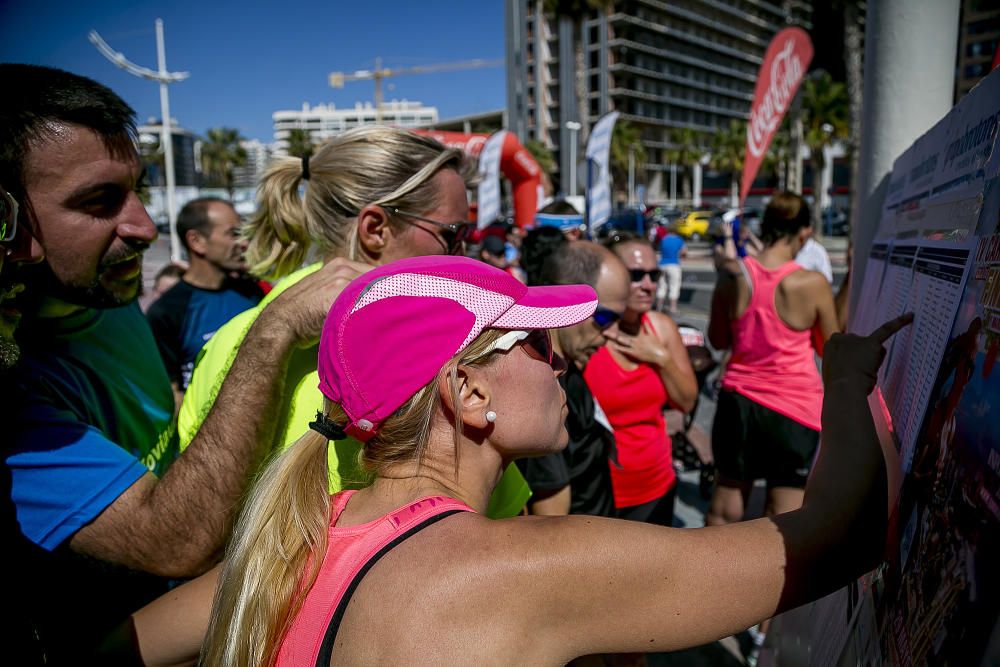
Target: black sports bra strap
(330, 636)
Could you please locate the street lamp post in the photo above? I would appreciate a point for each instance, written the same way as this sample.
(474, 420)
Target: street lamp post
(163, 77)
(573, 128)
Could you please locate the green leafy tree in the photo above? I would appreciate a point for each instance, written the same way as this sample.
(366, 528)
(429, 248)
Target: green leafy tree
(778, 153)
(625, 138)
(221, 152)
(299, 143)
(542, 154)
(727, 152)
(825, 120)
(687, 149)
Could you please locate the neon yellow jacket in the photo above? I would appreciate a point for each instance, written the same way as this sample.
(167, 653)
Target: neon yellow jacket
(303, 400)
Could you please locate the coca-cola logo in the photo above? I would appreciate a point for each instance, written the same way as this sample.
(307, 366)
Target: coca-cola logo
(785, 75)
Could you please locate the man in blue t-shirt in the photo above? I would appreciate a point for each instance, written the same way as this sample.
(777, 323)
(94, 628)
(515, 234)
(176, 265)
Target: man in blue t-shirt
(672, 249)
(91, 463)
(213, 290)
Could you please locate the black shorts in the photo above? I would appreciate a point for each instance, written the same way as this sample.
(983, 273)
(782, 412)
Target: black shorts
(751, 442)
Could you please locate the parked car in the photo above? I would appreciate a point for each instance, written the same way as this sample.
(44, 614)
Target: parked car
(693, 226)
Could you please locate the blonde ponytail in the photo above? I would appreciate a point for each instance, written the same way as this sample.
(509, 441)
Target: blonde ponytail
(277, 235)
(368, 165)
(284, 522)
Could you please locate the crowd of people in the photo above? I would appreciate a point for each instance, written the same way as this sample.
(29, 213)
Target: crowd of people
(415, 411)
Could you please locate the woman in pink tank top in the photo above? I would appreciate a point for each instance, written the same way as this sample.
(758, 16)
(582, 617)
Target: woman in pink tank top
(774, 316)
(642, 369)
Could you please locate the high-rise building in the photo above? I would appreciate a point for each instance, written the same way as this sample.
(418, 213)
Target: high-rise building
(978, 38)
(186, 171)
(324, 121)
(258, 155)
(662, 65)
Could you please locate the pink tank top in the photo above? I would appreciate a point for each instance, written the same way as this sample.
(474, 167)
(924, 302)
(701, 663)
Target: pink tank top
(772, 364)
(634, 400)
(351, 552)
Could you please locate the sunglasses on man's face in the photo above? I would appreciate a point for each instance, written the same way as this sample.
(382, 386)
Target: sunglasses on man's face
(638, 274)
(453, 234)
(605, 317)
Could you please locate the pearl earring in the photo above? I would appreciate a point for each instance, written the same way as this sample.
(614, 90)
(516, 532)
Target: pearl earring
(491, 416)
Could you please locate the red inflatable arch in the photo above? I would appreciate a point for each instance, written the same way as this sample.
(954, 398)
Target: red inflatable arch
(516, 164)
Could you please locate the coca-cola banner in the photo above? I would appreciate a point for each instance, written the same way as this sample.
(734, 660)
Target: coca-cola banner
(784, 66)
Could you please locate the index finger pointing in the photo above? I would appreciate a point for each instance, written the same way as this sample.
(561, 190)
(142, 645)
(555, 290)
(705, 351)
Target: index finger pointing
(884, 332)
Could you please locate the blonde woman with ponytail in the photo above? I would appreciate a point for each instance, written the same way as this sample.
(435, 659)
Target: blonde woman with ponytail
(366, 197)
(444, 369)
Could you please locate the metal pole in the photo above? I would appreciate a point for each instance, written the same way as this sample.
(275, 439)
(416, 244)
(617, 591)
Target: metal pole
(631, 177)
(909, 85)
(167, 142)
(590, 180)
(573, 128)
(673, 186)
(572, 164)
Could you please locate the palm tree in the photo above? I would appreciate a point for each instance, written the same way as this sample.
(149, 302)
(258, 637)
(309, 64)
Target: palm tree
(686, 151)
(824, 110)
(575, 11)
(727, 146)
(854, 17)
(625, 139)
(221, 152)
(778, 154)
(299, 143)
(542, 154)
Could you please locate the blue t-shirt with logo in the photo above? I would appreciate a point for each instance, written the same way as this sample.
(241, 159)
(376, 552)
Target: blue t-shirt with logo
(94, 412)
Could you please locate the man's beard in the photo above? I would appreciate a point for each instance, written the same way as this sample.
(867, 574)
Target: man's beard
(41, 281)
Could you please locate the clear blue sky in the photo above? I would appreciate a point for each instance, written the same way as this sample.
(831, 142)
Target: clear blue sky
(249, 59)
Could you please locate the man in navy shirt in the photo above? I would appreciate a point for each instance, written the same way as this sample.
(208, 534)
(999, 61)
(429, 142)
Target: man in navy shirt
(212, 291)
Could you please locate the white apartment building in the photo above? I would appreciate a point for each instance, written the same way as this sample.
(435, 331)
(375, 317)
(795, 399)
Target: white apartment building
(258, 155)
(326, 120)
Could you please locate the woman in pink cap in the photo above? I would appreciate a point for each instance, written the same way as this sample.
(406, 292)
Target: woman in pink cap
(442, 367)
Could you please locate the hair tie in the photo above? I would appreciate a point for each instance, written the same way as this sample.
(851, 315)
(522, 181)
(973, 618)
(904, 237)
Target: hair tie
(327, 428)
(305, 167)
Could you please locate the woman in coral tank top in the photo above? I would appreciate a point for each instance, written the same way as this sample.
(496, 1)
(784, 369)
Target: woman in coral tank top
(774, 316)
(643, 368)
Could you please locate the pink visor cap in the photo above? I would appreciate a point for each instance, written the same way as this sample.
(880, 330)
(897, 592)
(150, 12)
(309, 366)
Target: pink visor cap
(393, 329)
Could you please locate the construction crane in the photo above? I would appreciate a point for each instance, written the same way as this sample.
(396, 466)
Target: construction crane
(338, 79)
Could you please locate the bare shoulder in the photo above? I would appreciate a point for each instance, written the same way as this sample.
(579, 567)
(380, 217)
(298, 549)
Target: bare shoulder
(806, 280)
(663, 325)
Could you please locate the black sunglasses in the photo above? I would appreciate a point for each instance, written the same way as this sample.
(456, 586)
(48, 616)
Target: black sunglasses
(538, 345)
(638, 274)
(453, 234)
(605, 317)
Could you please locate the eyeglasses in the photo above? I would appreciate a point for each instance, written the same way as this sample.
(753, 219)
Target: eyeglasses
(638, 274)
(536, 343)
(605, 317)
(453, 234)
(8, 217)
